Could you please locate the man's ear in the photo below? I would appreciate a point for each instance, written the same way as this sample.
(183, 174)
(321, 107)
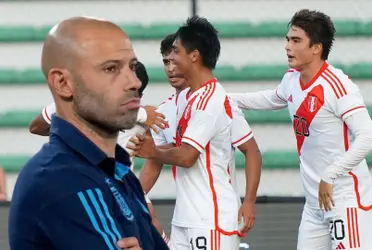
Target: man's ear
(194, 56)
(60, 81)
(317, 48)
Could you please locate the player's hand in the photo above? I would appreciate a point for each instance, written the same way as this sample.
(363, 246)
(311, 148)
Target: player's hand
(247, 211)
(154, 119)
(130, 243)
(325, 196)
(143, 146)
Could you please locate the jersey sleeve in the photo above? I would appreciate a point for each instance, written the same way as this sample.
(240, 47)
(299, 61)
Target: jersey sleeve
(141, 115)
(81, 219)
(203, 124)
(159, 138)
(347, 99)
(126, 135)
(241, 132)
(360, 125)
(263, 100)
(48, 111)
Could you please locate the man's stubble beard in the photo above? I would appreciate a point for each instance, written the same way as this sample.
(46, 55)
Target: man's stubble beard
(90, 108)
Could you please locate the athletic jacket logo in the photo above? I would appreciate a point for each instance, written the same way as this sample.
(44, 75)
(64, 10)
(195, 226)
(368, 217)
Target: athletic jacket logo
(124, 208)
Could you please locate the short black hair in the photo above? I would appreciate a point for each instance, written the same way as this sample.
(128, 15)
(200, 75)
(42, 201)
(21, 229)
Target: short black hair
(199, 34)
(166, 44)
(318, 27)
(142, 75)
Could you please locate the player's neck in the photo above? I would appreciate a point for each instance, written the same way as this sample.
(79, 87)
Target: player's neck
(310, 71)
(199, 78)
(102, 139)
(179, 90)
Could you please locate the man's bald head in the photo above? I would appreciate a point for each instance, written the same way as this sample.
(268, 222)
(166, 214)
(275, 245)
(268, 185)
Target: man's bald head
(62, 44)
(90, 68)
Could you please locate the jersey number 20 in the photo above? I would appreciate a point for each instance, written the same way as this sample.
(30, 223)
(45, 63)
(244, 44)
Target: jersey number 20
(301, 126)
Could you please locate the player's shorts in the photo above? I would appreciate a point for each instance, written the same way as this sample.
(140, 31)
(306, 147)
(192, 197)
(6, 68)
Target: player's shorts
(192, 239)
(345, 227)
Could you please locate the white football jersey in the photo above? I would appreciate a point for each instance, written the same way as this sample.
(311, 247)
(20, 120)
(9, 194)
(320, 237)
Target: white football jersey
(125, 135)
(318, 112)
(205, 196)
(169, 109)
(241, 132)
(165, 136)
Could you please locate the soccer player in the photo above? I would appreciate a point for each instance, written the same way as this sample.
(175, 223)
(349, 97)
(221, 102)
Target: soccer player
(334, 135)
(241, 137)
(78, 191)
(206, 211)
(151, 169)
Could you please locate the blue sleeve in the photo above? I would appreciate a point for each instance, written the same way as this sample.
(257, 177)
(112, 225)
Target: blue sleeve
(81, 220)
(158, 240)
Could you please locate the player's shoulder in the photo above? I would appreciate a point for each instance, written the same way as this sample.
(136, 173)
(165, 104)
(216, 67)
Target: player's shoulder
(234, 105)
(236, 111)
(210, 95)
(212, 89)
(336, 82)
(290, 77)
(169, 101)
(291, 73)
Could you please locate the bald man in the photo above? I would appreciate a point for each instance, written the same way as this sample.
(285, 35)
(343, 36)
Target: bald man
(77, 192)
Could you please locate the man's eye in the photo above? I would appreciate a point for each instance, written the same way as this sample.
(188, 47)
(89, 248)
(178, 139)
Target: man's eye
(133, 67)
(111, 69)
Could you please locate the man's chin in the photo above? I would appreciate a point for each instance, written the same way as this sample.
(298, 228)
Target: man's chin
(176, 84)
(128, 122)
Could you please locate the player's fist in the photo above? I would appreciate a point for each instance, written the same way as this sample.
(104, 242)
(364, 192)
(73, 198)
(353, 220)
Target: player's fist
(143, 146)
(154, 119)
(130, 243)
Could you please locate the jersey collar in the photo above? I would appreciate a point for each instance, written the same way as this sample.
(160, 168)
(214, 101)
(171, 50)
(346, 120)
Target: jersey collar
(64, 131)
(322, 69)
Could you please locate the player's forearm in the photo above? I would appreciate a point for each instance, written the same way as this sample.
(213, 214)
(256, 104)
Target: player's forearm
(149, 174)
(178, 156)
(151, 171)
(262, 100)
(253, 163)
(361, 125)
(39, 126)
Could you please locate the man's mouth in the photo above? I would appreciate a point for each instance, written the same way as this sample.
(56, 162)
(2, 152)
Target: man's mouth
(132, 103)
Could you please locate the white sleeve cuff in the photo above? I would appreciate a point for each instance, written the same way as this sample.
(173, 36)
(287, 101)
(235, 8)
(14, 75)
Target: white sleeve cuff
(142, 115)
(330, 174)
(242, 140)
(193, 143)
(148, 201)
(46, 116)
